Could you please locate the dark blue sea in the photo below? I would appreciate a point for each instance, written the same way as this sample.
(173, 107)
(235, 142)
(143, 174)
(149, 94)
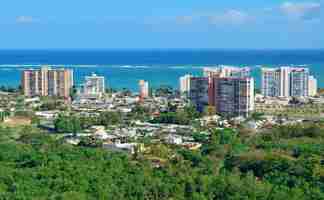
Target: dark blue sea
(123, 68)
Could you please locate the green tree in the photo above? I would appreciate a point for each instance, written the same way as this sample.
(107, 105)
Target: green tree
(67, 124)
(110, 118)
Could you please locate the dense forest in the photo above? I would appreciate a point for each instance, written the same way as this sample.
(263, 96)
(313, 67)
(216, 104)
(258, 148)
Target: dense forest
(286, 162)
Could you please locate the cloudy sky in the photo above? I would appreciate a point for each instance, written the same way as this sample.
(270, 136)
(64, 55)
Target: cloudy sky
(251, 24)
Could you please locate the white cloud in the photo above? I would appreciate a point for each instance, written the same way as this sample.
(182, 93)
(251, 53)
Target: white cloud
(25, 19)
(230, 17)
(304, 11)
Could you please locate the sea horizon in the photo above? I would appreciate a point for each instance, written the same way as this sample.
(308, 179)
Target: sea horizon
(124, 67)
(171, 48)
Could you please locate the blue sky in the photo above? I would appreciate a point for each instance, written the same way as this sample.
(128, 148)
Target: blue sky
(252, 24)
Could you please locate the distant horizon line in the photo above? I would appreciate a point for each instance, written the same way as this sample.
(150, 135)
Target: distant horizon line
(161, 49)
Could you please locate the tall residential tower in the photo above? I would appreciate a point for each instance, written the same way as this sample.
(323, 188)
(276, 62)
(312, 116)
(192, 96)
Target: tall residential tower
(47, 82)
(234, 96)
(275, 82)
(143, 89)
(94, 85)
(185, 84)
(231, 90)
(198, 93)
(312, 86)
(285, 82)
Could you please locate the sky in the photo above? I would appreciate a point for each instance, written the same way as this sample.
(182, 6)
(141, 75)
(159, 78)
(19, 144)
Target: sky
(147, 24)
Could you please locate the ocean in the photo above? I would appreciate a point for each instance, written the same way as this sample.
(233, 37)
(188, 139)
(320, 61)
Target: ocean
(124, 68)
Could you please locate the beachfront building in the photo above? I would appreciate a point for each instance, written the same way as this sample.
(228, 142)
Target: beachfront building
(198, 93)
(276, 82)
(312, 86)
(94, 85)
(230, 90)
(270, 82)
(143, 89)
(226, 71)
(299, 80)
(221, 72)
(234, 96)
(285, 82)
(185, 84)
(47, 82)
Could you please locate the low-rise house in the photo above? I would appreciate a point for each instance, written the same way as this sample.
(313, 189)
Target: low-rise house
(209, 120)
(126, 147)
(72, 140)
(124, 109)
(47, 114)
(173, 139)
(32, 100)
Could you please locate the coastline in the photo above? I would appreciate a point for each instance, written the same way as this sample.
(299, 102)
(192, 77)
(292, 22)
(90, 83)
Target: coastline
(124, 67)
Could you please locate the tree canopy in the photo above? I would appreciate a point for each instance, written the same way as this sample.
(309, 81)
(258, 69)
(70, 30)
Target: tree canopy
(284, 163)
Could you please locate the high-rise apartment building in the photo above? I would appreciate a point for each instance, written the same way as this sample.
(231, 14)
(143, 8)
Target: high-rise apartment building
(221, 72)
(143, 89)
(227, 71)
(94, 85)
(198, 93)
(229, 89)
(234, 96)
(47, 82)
(185, 84)
(299, 80)
(285, 82)
(30, 83)
(271, 82)
(312, 86)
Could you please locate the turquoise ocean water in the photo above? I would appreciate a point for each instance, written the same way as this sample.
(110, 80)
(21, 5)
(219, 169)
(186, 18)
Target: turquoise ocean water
(123, 68)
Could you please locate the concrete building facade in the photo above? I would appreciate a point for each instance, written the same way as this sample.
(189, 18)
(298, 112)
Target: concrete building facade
(227, 71)
(312, 86)
(143, 89)
(271, 81)
(299, 80)
(285, 82)
(198, 93)
(185, 84)
(47, 82)
(230, 90)
(234, 96)
(94, 85)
